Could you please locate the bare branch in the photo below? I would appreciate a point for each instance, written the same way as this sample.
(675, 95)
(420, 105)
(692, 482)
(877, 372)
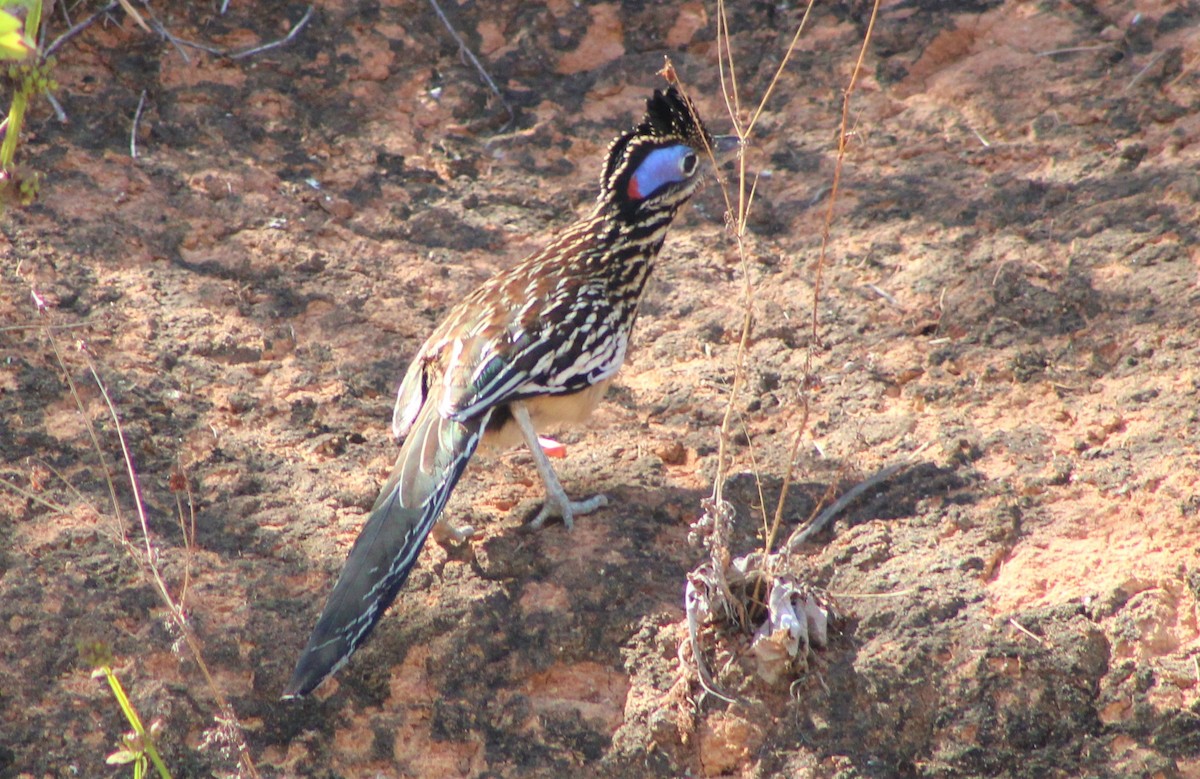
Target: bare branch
(466, 51)
(137, 117)
(276, 44)
(78, 28)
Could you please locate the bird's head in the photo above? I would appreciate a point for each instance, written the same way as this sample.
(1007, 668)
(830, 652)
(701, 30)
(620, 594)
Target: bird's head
(656, 166)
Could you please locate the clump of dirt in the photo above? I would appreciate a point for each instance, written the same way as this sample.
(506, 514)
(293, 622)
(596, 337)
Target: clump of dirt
(1007, 310)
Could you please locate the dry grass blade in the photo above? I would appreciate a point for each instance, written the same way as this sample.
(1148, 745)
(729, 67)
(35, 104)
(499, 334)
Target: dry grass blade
(292, 33)
(764, 569)
(829, 514)
(75, 29)
(470, 56)
(146, 556)
(740, 214)
(33, 496)
(128, 8)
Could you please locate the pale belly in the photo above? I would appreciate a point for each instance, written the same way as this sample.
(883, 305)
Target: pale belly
(549, 412)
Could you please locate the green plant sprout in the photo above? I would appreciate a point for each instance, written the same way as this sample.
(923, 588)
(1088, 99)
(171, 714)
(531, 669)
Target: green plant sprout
(27, 73)
(136, 748)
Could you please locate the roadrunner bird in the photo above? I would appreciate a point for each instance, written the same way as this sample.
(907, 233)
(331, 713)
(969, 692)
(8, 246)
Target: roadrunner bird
(534, 347)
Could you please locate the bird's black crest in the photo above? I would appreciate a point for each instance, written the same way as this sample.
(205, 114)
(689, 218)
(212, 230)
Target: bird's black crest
(669, 116)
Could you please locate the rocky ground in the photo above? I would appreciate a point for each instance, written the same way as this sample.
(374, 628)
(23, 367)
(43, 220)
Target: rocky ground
(1008, 310)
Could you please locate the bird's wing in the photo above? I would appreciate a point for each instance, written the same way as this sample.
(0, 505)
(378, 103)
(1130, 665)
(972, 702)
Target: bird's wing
(572, 345)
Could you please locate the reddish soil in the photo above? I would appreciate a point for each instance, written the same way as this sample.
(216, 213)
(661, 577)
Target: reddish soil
(1010, 305)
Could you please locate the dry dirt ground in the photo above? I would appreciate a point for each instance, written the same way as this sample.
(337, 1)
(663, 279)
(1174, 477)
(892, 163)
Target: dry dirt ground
(1009, 306)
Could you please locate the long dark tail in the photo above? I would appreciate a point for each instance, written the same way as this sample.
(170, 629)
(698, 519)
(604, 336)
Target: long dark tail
(434, 456)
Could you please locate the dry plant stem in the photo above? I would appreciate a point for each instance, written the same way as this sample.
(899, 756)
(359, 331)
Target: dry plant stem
(829, 514)
(762, 499)
(292, 33)
(112, 488)
(137, 117)
(793, 453)
(743, 206)
(47, 12)
(837, 175)
(175, 609)
(68, 326)
(729, 90)
(843, 136)
(149, 557)
(59, 113)
(133, 14)
(33, 496)
(1038, 639)
(188, 528)
(74, 490)
(470, 55)
(1145, 69)
(787, 55)
(78, 28)
(179, 43)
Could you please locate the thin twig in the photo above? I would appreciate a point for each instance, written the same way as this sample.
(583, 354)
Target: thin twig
(59, 474)
(47, 12)
(67, 326)
(884, 294)
(843, 135)
(470, 55)
(137, 117)
(828, 515)
(188, 528)
(179, 43)
(787, 55)
(1072, 50)
(1026, 631)
(754, 469)
(694, 598)
(729, 89)
(135, 485)
(1144, 70)
(33, 496)
(78, 28)
(276, 44)
(149, 558)
(133, 14)
(87, 422)
(57, 106)
(787, 480)
(151, 561)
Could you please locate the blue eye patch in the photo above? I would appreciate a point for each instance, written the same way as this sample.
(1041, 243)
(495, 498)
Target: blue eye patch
(670, 165)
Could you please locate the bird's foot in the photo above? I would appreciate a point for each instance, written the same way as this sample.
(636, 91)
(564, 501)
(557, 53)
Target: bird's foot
(561, 506)
(448, 535)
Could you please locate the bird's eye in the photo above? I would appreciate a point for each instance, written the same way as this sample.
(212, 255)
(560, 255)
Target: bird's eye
(688, 163)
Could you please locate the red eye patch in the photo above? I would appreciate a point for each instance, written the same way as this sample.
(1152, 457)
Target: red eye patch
(633, 191)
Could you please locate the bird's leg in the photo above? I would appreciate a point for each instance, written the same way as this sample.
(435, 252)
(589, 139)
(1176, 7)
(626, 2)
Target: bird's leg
(557, 503)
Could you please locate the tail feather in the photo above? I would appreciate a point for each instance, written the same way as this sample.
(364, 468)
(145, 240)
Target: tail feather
(434, 456)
